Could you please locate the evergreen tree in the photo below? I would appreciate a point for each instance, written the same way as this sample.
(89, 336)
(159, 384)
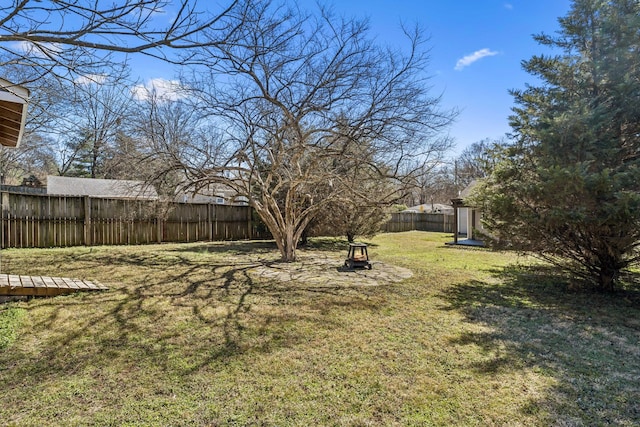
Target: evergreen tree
(568, 188)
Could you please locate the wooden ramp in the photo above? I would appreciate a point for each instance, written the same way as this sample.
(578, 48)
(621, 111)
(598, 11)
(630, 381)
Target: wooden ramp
(14, 285)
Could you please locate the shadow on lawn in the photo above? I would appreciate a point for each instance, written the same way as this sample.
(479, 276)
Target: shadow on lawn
(177, 314)
(236, 247)
(320, 244)
(332, 244)
(588, 342)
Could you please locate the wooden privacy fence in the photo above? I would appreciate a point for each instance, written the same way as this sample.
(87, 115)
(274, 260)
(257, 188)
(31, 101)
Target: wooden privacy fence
(407, 221)
(30, 220)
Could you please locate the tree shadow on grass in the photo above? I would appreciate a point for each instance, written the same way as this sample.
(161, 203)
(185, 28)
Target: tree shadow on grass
(532, 320)
(236, 247)
(331, 244)
(314, 244)
(176, 314)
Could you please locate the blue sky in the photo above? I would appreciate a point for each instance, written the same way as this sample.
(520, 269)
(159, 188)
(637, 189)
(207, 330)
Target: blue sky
(493, 35)
(477, 47)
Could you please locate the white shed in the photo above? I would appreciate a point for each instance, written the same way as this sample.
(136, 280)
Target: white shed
(468, 219)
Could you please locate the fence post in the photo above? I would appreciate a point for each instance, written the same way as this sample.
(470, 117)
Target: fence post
(5, 217)
(455, 224)
(87, 221)
(210, 221)
(159, 226)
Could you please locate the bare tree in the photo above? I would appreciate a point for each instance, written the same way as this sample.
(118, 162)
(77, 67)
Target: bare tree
(354, 215)
(356, 198)
(78, 119)
(293, 93)
(70, 38)
(164, 131)
(38, 153)
(34, 157)
(477, 160)
(429, 184)
(97, 113)
(444, 179)
(48, 45)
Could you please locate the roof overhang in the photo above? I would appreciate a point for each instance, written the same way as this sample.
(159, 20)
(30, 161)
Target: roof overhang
(13, 113)
(458, 203)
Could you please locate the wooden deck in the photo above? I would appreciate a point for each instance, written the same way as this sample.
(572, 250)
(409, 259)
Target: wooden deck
(14, 285)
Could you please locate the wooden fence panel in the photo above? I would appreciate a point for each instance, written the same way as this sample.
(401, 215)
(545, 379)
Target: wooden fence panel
(121, 221)
(407, 221)
(187, 222)
(48, 221)
(30, 220)
(37, 221)
(232, 224)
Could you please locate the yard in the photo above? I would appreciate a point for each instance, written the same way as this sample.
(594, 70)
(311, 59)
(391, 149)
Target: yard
(222, 334)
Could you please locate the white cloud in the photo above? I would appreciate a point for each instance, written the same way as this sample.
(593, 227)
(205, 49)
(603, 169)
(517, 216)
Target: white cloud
(90, 79)
(159, 88)
(508, 6)
(475, 56)
(40, 50)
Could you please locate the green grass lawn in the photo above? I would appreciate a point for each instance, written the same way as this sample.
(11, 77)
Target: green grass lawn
(188, 336)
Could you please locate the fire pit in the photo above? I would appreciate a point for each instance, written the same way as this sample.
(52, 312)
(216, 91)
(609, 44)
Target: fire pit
(358, 256)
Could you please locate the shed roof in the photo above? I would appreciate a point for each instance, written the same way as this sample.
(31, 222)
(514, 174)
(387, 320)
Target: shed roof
(13, 112)
(468, 189)
(108, 188)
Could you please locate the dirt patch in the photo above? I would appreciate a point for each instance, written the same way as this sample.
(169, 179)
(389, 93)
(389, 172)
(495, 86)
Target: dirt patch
(327, 270)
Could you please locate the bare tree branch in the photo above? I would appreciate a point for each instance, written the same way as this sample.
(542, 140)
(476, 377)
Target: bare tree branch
(80, 36)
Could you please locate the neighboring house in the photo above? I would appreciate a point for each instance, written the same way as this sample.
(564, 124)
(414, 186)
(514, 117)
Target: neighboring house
(106, 188)
(431, 208)
(217, 194)
(30, 185)
(13, 113)
(467, 219)
(184, 197)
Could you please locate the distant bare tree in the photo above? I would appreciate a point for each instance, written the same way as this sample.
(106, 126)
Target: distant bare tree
(292, 92)
(38, 153)
(35, 156)
(78, 119)
(430, 182)
(96, 114)
(477, 160)
(163, 131)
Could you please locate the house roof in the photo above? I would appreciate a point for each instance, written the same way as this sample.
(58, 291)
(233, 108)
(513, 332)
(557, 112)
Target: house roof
(107, 188)
(431, 208)
(211, 194)
(460, 201)
(13, 113)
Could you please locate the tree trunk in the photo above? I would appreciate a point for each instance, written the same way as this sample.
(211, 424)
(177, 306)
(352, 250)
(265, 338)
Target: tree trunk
(286, 240)
(351, 236)
(607, 278)
(289, 253)
(304, 239)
